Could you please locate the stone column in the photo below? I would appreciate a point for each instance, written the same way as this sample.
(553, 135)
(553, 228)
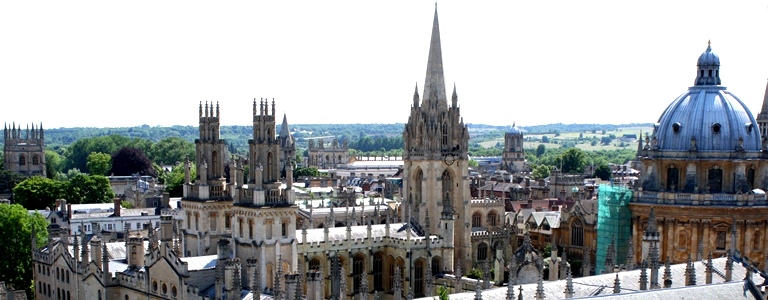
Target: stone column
(694, 240)
(705, 235)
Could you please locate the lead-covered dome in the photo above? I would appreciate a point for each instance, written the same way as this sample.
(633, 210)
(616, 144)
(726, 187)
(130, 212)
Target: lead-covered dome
(707, 117)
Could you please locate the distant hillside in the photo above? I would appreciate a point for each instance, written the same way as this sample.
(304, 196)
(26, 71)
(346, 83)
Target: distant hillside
(237, 136)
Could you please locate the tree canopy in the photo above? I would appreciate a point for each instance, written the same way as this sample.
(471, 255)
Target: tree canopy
(172, 150)
(40, 193)
(16, 225)
(99, 163)
(129, 160)
(573, 161)
(603, 172)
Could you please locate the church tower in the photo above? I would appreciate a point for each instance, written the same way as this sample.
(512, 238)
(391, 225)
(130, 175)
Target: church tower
(762, 117)
(287, 146)
(264, 148)
(513, 157)
(24, 150)
(435, 158)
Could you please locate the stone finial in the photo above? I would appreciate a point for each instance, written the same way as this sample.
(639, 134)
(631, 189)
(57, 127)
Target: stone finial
(398, 284)
(458, 274)
(299, 292)
(278, 293)
(630, 263)
(540, 288)
(643, 282)
(510, 286)
(486, 274)
(478, 291)
(428, 282)
(563, 265)
(520, 294)
(609, 256)
(512, 269)
(256, 288)
(709, 270)
(667, 273)
(690, 272)
(364, 285)
(568, 284)
(617, 285)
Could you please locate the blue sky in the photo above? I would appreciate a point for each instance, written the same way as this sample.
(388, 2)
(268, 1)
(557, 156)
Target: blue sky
(115, 64)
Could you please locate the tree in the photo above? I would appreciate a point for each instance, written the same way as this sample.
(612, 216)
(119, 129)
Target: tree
(540, 150)
(54, 164)
(88, 189)
(540, 172)
(129, 160)
(99, 163)
(172, 150)
(572, 160)
(8, 180)
(16, 224)
(305, 171)
(442, 293)
(603, 172)
(174, 181)
(38, 192)
(544, 139)
(473, 163)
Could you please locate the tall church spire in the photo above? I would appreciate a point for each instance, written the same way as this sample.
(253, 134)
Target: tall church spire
(434, 84)
(762, 117)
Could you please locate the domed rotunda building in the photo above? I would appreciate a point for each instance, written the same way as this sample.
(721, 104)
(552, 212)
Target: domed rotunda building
(704, 172)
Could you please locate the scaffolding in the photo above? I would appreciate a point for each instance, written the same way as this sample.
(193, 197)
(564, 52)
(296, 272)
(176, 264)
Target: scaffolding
(614, 224)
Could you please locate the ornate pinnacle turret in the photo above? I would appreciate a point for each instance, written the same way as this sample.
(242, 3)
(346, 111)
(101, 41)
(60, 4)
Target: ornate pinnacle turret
(617, 285)
(701, 250)
(512, 269)
(540, 288)
(364, 284)
(342, 284)
(299, 292)
(478, 291)
(278, 275)
(486, 274)
(690, 273)
(643, 276)
(510, 285)
(609, 255)
(256, 288)
(667, 274)
(237, 284)
(586, 262)
(429, 284)
(459, 288)
(709, 270)
(568, 284)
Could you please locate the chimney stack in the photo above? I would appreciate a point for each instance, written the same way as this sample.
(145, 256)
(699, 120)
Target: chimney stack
(117, 207)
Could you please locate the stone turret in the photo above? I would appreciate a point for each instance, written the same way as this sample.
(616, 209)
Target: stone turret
(568, 284)
(617, 285)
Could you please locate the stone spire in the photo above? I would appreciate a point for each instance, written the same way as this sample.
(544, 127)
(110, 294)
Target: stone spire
(486, 274)
(478, 291)
(586, 266)
(434, 84)
(667, 274)
(540, 288)
(568, 284)
(654, 257)
(643, 276)
(762, 117)
(617, 285)
(429, 284)
(510, 285)
(708, 278)
(690, 272)
(630, 263)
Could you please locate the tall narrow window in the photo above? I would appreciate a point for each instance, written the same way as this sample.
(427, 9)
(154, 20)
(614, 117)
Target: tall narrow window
(22, 160)
(477, 219)
(482, 252)
(673, 179)
(715, 180)
(215, 164)
(269, 229)
(418, 283)
(577, 233)
(357, 271)
(378, 268)
(212, 221)
(35, 160)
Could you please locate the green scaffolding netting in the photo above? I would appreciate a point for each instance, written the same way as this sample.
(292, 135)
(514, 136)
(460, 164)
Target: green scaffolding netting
(614, 223)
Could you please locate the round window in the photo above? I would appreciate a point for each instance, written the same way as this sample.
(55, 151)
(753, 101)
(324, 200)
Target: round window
(749, 128)
(716, 127)
(676, 127)
(173, 291)
(154, 285)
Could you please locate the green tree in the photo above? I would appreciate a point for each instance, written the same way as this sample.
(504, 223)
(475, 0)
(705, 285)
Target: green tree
(54, 164)
(305, 171)
(88, 189)
(473, 163)
(174, 181)
(540, 172)
(544, 139)
(8, 180)
(171, 150)
(603, 172)
(16, 224)
(540, 150)
(573, 160)
(442, 293)
(99, 163)
(38, 192)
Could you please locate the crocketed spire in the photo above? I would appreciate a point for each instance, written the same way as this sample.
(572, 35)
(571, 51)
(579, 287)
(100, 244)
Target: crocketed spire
(434, 84)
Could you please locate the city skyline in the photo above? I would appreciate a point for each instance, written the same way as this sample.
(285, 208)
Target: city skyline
(95, 64)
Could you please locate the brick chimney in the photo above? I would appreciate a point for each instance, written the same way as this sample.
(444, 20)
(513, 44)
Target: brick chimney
(117, 207)
(69, 211)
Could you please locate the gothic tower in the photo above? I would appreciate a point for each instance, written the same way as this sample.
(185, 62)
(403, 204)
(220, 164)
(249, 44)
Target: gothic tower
(287, 146)
(24, 150)
(435, 158)
(513, 157)
(210, 153)
(264, 148)
(762, 117)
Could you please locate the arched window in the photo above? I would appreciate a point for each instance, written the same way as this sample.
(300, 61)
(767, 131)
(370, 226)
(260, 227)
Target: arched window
(390, 273)
(314, 264)
(445, 136)
(482, 251)
(715, 180)
(447, 183)
(270, 276)
(378, 268)
(477, 219)
(436, 265)
(673, 179)
(35, 160)
(492, 216)
(22, 160)
(269, 167)
(417, 180)
(215, 164)
(357, 271)
(577, 233)
(418, 284)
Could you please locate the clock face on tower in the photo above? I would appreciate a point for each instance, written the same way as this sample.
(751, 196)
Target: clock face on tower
(449, 159)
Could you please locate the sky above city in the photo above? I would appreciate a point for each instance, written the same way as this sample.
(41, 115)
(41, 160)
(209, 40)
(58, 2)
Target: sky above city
(130, 63)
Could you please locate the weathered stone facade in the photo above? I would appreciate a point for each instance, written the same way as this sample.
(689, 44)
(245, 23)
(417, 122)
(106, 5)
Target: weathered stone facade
(24, 150)
(329, 156)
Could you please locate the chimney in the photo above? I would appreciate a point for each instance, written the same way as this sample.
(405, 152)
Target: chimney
(117, 207)
(166, 200)
(58, 204)
(69, 211)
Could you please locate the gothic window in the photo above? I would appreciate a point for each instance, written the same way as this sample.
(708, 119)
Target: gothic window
(577, 233)
(314, 264)
(673, 179)
(270, 276)
(445, 136)
(418, 284)
(477, 219)
(212, 221)
(436, 265)
(390, 273)
(284, 228)
(357, 271)
(228, 221)
(417, 181)
(378, 267)
(22, 160)
(240, 227)
(492, 218)
(250, 229)
(35, 160)
(197, 221)
(751, 178)
(482, 251)
(447, 189)
(270, 176)
(189, 220)
(715, 180)
(215, 164)
(720, 241)
(268, 230)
